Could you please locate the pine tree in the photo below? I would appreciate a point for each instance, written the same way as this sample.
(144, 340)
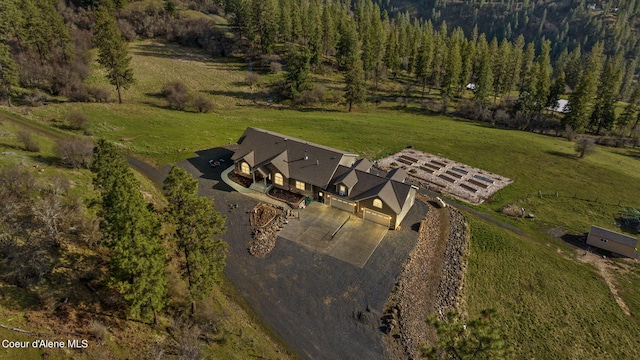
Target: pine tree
(196, 229)
(329, 33)
(515, 64)
(527, 67)
(453, 70)
(580, 104)
(603, 116)
(8, 72)
(131, 233)
(264, 22)
(484, 80)
(541, 78)
(285, 26)
(630, 112)
(425, 57)
(113, 52)
(354, 73)
(297, 79)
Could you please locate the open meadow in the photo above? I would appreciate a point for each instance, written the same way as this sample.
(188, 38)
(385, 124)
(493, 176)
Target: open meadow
(552, 304)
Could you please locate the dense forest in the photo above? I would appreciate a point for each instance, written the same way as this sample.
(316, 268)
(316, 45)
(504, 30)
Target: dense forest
(567, 24)
(509, 78)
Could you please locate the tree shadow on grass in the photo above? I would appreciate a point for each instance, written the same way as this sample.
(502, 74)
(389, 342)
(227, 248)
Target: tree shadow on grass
(563, 154)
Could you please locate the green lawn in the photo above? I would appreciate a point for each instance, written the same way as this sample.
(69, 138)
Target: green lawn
(554, 306)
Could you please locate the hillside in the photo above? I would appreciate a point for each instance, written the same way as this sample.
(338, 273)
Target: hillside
(567, 24)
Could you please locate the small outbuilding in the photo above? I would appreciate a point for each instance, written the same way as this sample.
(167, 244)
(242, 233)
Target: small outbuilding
(613, 241)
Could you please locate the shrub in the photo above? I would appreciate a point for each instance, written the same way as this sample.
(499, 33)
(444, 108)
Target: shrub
(77, 120)
(585, 146)
(29, 143)
(98, 330)
(100, 94)
(36, 98)
(310, 97)
(275, 67)
(79, 93)
(177, 94)
(202, 104)
(252, 79)
(75, 153)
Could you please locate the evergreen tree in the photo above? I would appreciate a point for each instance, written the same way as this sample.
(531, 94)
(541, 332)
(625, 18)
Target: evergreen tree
(315, 32)
(297, 79)
(425, 57)
(131, 233)
(581, 100)
(329, 33)
(515, 64)
(556, 90)
(453, 70)
(285, 25)
(113, 52)
(8, 73)
(264, 23)
(484, 80)
(603, 116)
(196, 229)
(527, 67)
(392, 56)
(574, 67)
(348, 43)
(630, 112)
(541, 78)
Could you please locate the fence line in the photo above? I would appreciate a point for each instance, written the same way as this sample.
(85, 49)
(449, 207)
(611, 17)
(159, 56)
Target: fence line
(557, 194)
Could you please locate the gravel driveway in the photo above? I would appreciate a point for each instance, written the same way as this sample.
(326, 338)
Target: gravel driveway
(322, 307)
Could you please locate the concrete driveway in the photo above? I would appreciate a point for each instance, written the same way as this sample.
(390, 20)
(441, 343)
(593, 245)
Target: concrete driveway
(336, 233)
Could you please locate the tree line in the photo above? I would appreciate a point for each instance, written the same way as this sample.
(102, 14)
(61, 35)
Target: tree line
(359, 35)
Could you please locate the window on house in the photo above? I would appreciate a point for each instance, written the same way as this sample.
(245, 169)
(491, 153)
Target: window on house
(342, 190)
(603, 240)
(244, 168)
(377, 203)
(277, 179)
(299, 185)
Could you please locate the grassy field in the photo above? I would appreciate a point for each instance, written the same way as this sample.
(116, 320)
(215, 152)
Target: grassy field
(553, 305)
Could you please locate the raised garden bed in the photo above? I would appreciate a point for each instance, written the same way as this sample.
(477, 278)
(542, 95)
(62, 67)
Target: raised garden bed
(446, 178)
(288, 197)
(243, 181)
(469, 188)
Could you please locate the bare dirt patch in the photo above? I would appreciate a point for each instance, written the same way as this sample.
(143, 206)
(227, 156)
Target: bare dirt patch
(606, 269)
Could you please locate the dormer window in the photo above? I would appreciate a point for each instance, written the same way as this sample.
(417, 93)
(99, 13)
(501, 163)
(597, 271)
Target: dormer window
(342, 190)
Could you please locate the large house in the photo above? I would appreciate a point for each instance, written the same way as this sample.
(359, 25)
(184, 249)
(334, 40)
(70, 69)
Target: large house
(330, 176)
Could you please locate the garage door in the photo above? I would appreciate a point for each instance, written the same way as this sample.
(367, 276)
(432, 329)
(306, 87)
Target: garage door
(343, 204)
(377, 217)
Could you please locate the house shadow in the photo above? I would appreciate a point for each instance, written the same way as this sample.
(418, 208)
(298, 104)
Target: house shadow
(211, 163)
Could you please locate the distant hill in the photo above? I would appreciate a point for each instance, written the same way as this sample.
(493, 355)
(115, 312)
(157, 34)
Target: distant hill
(567, 23)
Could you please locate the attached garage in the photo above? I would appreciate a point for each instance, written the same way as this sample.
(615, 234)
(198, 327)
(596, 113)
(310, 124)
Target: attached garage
(377, 217)
(345, 205)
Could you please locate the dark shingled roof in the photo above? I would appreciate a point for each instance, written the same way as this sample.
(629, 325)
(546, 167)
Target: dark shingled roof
(613, 236)
(302, 160)
(368, 185)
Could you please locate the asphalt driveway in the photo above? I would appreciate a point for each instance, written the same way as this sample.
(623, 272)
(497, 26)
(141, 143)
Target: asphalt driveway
(323, 307)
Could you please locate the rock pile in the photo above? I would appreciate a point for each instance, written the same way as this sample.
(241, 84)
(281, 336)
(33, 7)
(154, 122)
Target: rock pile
(430, 281)
(451, 280)
(264, 234)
